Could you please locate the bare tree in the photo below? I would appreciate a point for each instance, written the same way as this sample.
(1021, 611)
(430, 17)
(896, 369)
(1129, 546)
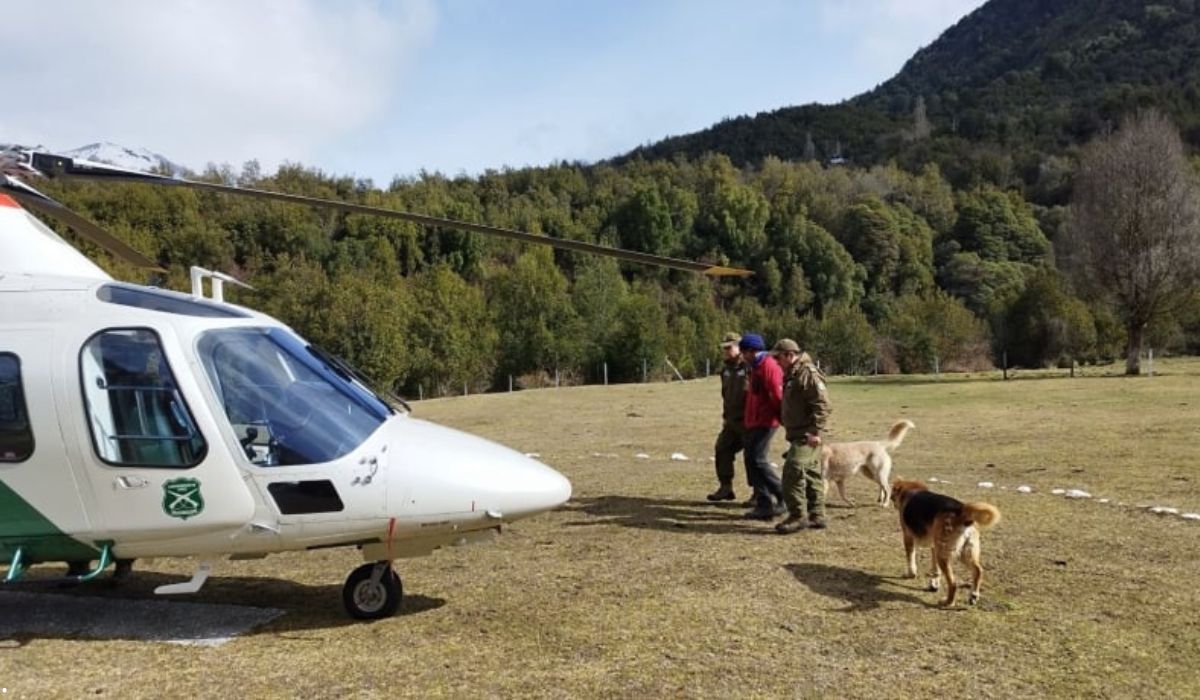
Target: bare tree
(921, 126)
(1133, 237)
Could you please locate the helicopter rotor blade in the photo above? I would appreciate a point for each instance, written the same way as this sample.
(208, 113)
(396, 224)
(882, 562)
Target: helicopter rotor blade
(35, 200)
(61, 166)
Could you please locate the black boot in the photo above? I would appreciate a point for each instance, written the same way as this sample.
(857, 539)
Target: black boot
(794, 523)
(723, 493)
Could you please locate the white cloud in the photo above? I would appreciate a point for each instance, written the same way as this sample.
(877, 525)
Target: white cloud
(205, 80)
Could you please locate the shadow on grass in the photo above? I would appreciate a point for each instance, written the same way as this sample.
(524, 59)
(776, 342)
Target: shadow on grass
(860, 590)
(305, 607)
(667, 515)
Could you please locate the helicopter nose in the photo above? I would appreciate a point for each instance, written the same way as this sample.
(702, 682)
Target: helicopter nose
(450, 472)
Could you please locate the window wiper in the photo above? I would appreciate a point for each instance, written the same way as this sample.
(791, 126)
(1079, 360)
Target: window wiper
(350, 373)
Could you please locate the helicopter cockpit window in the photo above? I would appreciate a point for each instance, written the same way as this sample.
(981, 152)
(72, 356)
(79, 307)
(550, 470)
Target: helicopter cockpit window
(16, 438)
(135, 411)
(165, 301)
(288, 402)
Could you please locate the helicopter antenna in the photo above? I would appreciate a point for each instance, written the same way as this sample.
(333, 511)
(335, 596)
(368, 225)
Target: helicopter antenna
(61, 166)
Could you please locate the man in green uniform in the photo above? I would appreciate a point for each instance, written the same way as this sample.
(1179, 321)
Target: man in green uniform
(733, 396)
(804, 411)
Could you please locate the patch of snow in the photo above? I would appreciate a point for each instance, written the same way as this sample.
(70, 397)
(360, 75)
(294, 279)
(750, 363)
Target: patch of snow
(679, 457)
(641, 455)
(1164, 510)
(534, 455)
(1057, 492)
(985, 485)
(933, 480)
(1077, 493)
(1103, 500)
(139, 159)
(1025, 489)
(1190, 516)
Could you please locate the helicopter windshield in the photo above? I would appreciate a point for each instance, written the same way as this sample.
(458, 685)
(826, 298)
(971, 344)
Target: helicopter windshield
(288, 402)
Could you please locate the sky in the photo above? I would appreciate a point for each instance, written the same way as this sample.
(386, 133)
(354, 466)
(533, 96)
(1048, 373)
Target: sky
(389, 88)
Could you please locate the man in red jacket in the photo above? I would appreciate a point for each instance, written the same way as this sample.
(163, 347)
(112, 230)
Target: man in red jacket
(764, 396)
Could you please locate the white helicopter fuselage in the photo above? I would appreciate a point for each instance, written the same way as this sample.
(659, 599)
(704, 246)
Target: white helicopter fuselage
(162, 424)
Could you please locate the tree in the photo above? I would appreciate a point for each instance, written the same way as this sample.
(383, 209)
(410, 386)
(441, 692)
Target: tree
(934, 330)
(1047, 325)
(454, 342)
(845, 341)
(539, 328)
(1134, 230)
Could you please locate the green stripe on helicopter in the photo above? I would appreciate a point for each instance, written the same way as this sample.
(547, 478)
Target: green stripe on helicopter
(21, 525)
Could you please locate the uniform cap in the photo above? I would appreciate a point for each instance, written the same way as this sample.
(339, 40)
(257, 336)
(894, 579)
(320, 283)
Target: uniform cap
(752, 341)
(786, 345)
(730, 340)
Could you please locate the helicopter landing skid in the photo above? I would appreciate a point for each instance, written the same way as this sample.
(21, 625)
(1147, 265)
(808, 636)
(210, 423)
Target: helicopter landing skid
(190, 586)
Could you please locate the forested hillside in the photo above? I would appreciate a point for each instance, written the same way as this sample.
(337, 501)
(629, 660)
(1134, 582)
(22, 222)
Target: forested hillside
(1003, 95)
(933, 247)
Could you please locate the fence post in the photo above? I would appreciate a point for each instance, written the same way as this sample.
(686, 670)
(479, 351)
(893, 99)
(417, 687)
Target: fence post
(644, 370)
(1072, 367)
(674, 368)
(707, 368)
(420, 392)
(464, 388)
(1150, 364)
(937, 372)
(555, 377)
(605, 374)
(1004, 362)
(510, 383)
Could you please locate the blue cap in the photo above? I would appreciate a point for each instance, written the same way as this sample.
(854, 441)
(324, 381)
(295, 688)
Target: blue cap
(752, 341)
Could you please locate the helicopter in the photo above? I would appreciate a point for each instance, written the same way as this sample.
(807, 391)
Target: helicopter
(140, 422)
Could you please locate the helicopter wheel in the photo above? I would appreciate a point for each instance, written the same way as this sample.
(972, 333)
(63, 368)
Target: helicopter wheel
(367, 600)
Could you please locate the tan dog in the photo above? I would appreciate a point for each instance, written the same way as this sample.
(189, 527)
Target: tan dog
(840, 460)
(948, 526)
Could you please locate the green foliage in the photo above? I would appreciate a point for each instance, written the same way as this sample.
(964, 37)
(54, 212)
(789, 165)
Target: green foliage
(454, 342)
(934, 331)
(643, 222)
(1046, 326)
(732, 217)
(834, 250)
(998, 226)
(640, 336)
(845, 342)
(538, 327)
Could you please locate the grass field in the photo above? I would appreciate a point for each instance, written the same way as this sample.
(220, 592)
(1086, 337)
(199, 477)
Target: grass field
(639, 588)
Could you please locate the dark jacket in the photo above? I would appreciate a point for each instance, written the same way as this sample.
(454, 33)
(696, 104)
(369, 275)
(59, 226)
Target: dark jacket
(733, 392)
(805, 408)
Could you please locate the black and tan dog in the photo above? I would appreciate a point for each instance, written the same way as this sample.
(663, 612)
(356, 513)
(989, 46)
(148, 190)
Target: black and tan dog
(948, 526)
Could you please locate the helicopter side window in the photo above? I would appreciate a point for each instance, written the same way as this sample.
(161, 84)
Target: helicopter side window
(135, 411)
(16, 437)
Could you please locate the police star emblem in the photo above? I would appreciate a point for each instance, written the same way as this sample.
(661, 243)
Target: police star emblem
(181, 498)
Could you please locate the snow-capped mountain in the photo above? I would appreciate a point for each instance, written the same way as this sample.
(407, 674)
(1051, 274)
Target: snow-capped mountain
(125, 157)
(114, 154)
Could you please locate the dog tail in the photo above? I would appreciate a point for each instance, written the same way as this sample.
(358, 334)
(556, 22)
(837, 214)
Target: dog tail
(983, 514)
(897, 433)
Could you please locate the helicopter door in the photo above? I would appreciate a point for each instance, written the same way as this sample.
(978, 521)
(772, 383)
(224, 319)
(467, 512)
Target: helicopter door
(40, 501)
(150, 465)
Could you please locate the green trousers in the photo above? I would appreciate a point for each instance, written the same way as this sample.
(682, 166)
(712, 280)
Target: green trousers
(729, 443)
(803, 490)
